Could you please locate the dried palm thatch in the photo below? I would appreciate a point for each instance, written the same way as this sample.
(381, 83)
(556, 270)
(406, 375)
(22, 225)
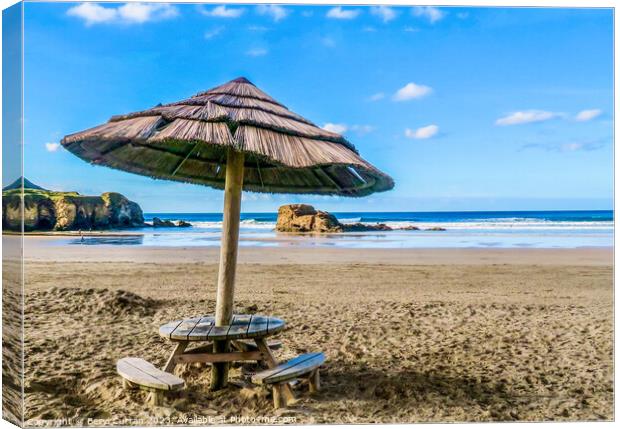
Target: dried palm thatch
(188, 141)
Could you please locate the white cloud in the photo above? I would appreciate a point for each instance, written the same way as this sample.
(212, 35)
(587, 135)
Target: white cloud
(369, 29)
(335, 128)
(362, 129)
(411, 91)
(143, 12)
(586, 115)
(257, 52)
(376, 97)
(222, 11)
(129, 13)
(52, 147)
(411, 30)
(214, 32)
(433, 14)
(422, 133)
(384, 12)
(340, 13)
(92, 13)
(276, 12)
(526, 117)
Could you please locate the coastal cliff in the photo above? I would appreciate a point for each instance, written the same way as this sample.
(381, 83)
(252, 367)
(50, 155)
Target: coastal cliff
(46, 210)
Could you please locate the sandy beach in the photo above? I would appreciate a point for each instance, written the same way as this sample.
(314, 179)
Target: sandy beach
(410, 336)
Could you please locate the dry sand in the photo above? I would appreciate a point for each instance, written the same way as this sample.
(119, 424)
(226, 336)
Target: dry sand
(410, 336)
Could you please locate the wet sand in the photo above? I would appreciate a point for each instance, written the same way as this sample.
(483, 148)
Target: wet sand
(410, 336)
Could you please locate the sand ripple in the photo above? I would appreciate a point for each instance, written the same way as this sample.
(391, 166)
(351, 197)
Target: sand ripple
(441, 344)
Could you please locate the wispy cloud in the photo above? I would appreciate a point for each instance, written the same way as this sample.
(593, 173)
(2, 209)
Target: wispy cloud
(129, 13)
(422, 133)
(335, 128)
(222, 11)
(432, 14)
(571, 146)
(384, 12)
(328, 41)
(362, 129)
(257, 52)
(52, 147)
(377, 96)
(411, 30)
(258, 28)
(340, 13)
(526, 117)
(411, 91)
(214, 32)
(587, 115)
(277, 13)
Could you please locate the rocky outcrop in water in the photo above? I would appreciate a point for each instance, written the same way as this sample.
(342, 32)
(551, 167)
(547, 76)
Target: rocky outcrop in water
(304, 218)
(362, 227)
(159, 223)
(68, 211)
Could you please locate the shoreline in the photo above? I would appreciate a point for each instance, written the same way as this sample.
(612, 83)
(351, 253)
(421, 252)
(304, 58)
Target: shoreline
(41, 248)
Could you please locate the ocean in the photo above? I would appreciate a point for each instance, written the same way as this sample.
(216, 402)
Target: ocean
(507, 229)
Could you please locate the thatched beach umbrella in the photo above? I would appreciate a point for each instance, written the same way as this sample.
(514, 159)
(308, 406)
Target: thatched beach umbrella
(231, 137)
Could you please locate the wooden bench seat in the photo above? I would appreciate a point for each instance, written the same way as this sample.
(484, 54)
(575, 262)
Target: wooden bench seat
(306, 365)
(137, 372)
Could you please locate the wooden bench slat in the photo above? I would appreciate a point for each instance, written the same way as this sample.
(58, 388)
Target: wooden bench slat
(184, 329)
(143, 373)
(275, 325)
(258, 326)
(291, 369)
(169, 328)
(219, 332)
(203, 328)
(239, 326)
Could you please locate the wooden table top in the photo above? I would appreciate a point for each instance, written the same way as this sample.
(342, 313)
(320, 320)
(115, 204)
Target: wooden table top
(203, 328)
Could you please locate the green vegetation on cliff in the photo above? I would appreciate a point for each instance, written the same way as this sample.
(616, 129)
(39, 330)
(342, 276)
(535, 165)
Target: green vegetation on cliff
(64, 211)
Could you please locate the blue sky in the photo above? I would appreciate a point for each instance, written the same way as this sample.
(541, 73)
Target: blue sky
(466, 108)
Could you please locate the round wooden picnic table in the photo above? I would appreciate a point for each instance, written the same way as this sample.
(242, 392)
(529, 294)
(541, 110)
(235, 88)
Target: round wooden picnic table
(242, 328)
(203, 328)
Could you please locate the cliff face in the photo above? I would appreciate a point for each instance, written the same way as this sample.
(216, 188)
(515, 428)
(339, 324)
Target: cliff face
(63, 211)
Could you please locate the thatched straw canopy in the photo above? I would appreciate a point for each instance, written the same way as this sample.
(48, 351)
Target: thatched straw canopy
(188, 141)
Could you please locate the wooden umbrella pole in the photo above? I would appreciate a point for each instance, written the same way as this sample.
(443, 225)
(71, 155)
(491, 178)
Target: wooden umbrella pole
(228, 259)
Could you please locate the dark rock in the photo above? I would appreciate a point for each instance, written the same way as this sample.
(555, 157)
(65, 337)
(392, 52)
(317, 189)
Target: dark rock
(362, 227)
(183, 224)
(251, 308)
(410, 228)
(158, 223)
(435, 228)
